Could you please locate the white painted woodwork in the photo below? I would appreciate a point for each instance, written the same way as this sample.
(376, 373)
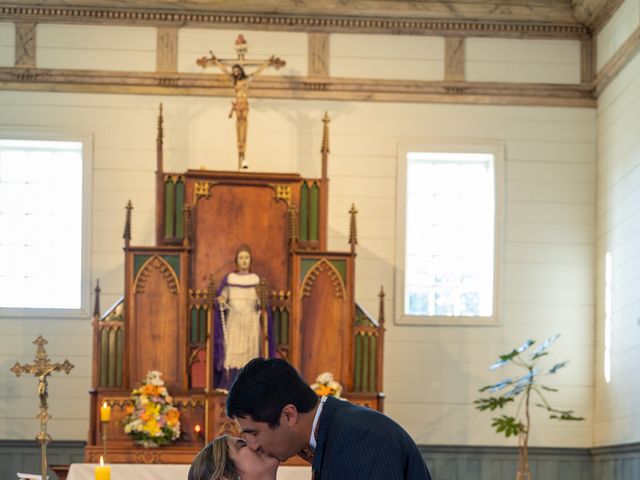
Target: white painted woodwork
(388, 57)
(431, 373)
(616, 407)
(7, 44)
(194, 43)
(617, 29)
(518, 60)
(92, 47)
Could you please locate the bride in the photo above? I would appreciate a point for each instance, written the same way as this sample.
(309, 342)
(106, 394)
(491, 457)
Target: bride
(229, 458)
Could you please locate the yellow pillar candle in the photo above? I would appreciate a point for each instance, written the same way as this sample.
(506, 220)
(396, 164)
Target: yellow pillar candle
(105, 412)
(103, 472)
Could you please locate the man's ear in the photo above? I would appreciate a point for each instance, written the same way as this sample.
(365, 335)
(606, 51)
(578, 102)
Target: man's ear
(290, 415)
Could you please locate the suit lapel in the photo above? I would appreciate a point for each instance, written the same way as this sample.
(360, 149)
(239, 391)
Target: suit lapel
(323, 431)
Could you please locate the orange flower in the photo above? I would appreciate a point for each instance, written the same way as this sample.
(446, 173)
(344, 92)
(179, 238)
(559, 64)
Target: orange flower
(323, 390)
(172, 416)
(145, 416)
(129, 409)
(150, 390)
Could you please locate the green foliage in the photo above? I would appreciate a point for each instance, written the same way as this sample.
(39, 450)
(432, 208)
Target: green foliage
(507, 425)
(491, 403)
(523, 388)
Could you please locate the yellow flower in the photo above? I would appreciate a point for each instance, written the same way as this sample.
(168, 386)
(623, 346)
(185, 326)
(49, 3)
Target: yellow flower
(151, 426)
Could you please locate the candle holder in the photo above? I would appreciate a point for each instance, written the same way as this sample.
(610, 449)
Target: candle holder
(104, 438)
(197, 430)
(105, 418)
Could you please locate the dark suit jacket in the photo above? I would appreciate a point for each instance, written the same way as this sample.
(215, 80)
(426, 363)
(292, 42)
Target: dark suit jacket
(357, 443)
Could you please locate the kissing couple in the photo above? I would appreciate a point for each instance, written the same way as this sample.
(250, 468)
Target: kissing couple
(281, 416)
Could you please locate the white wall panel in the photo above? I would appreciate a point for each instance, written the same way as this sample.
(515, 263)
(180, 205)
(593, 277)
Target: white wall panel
(431, 373)
(528, 61)
(386, 57)
(616, 31)
(616, 415)
(92, 47)
(7, 44)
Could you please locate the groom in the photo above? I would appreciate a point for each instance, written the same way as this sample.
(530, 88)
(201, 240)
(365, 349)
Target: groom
(282, 416)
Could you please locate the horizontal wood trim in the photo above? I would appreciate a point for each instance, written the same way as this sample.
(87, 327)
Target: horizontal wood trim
(445, 461)
(620, 59)
(405, 22)
(317, 88)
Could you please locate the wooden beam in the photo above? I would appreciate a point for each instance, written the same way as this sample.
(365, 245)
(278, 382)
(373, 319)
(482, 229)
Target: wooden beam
(167, 50)
(620, 59)
(497, 18)
(595, 13)
(587, 60)
(318, 55)
(550, 11)
(317, 88)
(454, 59)
(25, 45)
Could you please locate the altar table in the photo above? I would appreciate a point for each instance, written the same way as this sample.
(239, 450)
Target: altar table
(126, 471)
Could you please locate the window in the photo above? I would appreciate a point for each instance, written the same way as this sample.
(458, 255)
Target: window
(447, 234)
(43, 227)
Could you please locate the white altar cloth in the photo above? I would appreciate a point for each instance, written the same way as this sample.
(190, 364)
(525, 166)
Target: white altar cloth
(126, 471)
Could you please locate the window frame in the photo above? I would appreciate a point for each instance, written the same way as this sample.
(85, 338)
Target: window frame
(56, 135)
(497, 150)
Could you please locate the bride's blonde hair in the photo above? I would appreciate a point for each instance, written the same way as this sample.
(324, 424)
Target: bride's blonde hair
(213, 462)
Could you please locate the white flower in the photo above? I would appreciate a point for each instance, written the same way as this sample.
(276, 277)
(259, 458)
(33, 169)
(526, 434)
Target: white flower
(325, 378)
(154, 377)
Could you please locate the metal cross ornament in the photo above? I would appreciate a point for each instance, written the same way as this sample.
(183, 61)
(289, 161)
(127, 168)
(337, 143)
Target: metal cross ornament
(42, 368)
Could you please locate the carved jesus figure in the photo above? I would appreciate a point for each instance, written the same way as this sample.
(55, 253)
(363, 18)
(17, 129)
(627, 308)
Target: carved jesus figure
(241, 80)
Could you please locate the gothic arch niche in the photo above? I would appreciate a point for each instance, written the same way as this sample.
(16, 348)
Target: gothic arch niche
(156, 309)
(324, 310)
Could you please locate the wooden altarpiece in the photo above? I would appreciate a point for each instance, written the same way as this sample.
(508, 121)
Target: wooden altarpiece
(165, 319)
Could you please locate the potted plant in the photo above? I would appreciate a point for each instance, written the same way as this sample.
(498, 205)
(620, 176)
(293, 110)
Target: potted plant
(526, 389)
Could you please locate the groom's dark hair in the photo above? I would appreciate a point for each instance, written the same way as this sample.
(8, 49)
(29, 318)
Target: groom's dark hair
(262, 389)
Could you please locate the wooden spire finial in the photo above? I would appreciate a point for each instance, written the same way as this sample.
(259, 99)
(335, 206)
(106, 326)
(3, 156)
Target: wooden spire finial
(381, 296)
(160, 137)
(186, 210)
(325, 144)
(96, 303)
(294, 226)
(160, 181)
(127, 225)
(353, 234)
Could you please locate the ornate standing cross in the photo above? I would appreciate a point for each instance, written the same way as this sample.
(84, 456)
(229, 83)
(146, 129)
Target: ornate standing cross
(235, 68)
(42, 368)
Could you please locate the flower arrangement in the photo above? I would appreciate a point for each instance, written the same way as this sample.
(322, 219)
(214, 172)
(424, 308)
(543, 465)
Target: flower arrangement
(151, 419)
(327, 386)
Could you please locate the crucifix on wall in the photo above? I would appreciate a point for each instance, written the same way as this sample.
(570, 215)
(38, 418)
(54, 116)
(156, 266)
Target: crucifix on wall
(241, 80)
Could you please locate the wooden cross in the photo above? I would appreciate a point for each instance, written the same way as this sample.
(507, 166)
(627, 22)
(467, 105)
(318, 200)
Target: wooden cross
(42, 368)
